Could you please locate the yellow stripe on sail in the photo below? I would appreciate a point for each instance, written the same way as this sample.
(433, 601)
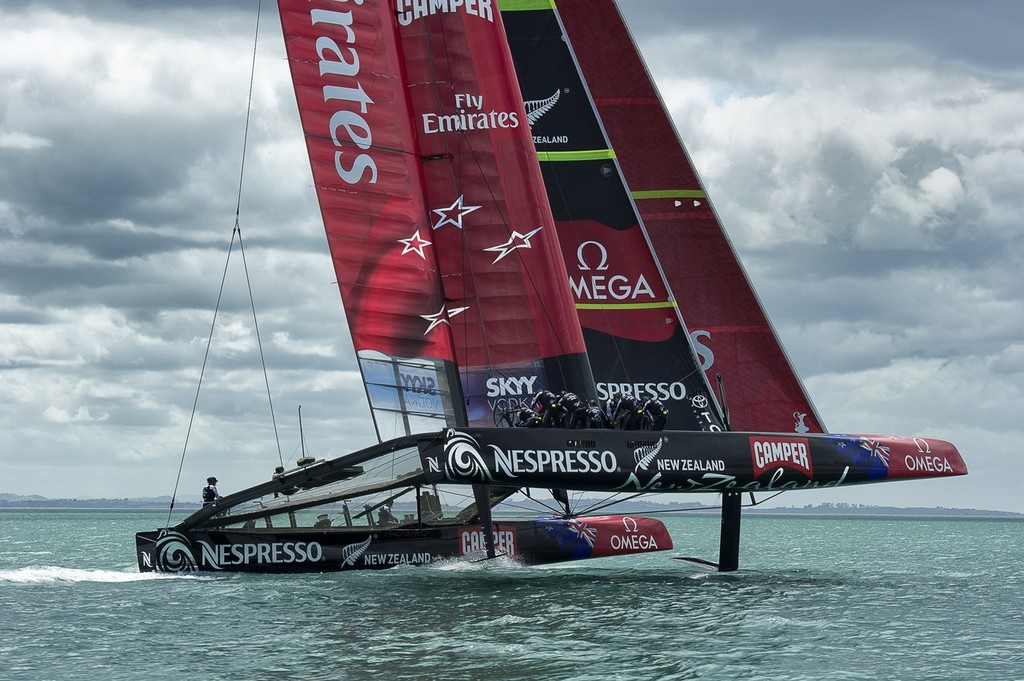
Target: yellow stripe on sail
(669, 194)
(524, 5)
(586, 155)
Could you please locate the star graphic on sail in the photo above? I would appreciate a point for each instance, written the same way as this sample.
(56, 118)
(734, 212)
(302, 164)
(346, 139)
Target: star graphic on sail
(453, 214)
(415, 244)
(515, 241)
(442, 316)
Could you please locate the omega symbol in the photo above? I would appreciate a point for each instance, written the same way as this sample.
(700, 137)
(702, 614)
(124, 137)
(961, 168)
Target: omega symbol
(584, 267)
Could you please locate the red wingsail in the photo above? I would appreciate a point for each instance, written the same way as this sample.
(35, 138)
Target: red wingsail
(722, 312)
(344, 63)
(494, 232)
(433, 205)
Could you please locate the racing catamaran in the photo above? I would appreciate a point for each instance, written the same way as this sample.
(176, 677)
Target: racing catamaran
(466, 295)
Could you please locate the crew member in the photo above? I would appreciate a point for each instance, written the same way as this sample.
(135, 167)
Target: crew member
(611, 409)
(541, 406)
(527, 418)
(626, 415)
(572, 411)
(210, 493)
(655, 413)
(386, 517)
(594, 417)
(278, 474)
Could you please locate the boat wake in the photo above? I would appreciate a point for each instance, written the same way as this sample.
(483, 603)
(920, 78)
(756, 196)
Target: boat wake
(464, 565)
(54, 574)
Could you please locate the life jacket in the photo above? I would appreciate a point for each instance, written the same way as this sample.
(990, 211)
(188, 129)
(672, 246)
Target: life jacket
(209, 494)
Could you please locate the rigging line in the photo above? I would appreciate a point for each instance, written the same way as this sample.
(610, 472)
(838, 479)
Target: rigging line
(702, 507)
(693, 509)
(202, 373)
(248, 111)
(227, 260)
(238, 230)
(259, 340)
(612, 501)
(754, 503)
(521, 507)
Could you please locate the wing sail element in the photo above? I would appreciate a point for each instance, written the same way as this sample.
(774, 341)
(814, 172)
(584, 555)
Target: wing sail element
(637, 341)
(432, 201)
(726, 321)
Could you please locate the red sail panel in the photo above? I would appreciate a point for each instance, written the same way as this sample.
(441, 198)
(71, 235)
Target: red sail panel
(508, 300)
(433, 206)
(344, 62)
(717, 301)
(346, 69)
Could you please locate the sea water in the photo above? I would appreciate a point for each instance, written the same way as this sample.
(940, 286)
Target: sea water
(816, 598)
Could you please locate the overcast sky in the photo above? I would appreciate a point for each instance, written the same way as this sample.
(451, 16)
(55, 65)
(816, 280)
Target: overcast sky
(866, 158)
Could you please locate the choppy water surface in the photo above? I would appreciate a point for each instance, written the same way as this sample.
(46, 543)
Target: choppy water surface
(817, 598)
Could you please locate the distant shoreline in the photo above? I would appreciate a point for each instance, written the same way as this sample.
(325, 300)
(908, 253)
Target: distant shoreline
(37, 503)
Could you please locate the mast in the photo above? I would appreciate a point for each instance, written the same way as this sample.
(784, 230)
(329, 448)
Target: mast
(303, 460)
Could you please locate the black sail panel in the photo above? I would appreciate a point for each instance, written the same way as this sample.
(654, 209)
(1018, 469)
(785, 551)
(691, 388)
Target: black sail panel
(636, 339)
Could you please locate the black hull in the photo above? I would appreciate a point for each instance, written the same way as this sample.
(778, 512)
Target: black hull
(531, 542)
(277, 526)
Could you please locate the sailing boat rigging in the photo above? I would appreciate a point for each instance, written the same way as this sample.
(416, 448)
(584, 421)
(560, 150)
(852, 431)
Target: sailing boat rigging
(304, 459)
(453, 233)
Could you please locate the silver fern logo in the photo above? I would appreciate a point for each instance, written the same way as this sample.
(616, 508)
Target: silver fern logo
(174, 553)
(353, 552)
(535, 108)
(645, 455)
(463, 459)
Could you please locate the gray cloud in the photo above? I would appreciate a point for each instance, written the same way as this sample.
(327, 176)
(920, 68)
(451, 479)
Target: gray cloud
(865, 159)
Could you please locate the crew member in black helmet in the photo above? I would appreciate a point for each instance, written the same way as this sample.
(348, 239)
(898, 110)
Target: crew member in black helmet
(527, 418)
(655, 413)
(210, 493)
(541, 406)
(572, 411)
(594, 416)
(626, 415)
